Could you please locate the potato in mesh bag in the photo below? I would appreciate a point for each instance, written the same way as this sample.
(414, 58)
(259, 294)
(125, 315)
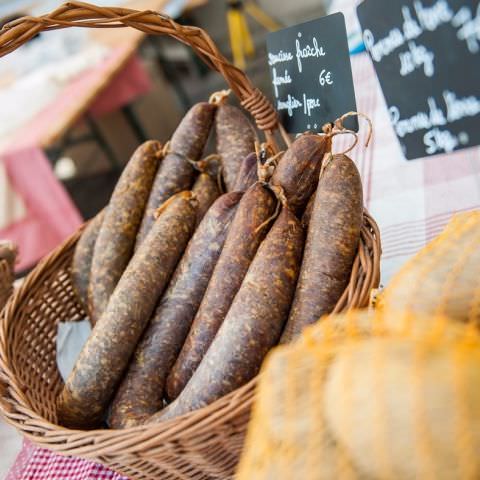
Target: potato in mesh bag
(444, 277)
(353, 399)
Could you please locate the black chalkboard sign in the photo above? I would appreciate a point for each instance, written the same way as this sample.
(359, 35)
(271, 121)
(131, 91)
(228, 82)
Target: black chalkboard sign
(311, 74)
(427, 57)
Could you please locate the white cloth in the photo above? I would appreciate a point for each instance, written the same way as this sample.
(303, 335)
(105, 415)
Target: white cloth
(13, 208)
(35, 89)
(71, 337)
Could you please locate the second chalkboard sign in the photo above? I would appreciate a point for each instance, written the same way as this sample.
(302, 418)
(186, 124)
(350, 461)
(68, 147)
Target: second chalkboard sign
(427, 57)
(311, 74)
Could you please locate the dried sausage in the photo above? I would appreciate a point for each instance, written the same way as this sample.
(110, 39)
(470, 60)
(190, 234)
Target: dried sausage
(331, 245)
(107, 351)
(114, 245)
(298, 170)
(141, 392)
(106, 354)
(235, 140)
(247, 175)
(176, 173)
(82, 259)
(206, 192)
(248, 229)
(254, 322)
(307, 214)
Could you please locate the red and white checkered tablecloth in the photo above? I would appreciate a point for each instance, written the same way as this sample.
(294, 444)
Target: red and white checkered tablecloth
(39, 464)
(411, 200)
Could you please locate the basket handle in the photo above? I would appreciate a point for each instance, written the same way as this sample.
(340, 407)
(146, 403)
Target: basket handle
(79, 14)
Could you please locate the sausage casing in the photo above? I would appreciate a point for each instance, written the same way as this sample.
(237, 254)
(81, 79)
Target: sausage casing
(247, 231)
(253, 324)
(107, 352)
(206, 192)
(247, 175)
(176, 173)
(235, 140)
(141, 392)
(116, 239)
(82, 259)
(331, 245)
(298, 170)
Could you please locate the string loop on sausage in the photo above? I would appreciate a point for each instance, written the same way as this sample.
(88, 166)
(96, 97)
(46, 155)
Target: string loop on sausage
(275, 214)
(327, 158)
(217, 98)
(281, 198)
(337, 128)
(203, 164)
(265, 169)
(339, 123)
(187, 195)
(347, 132)
(266, 164)
(165, 150)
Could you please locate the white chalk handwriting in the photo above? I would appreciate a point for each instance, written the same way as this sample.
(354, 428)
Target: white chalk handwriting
(415, 57)
(279, 57)
(458, 108)
(278, 80)
(307, 51)
(310, 104)
(454, 108)
(415, 23)
(325, 78)
(290, 104)
(469, 28)
(437, 141)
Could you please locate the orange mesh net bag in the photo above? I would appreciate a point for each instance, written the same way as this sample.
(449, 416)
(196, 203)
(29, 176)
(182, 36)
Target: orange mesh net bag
(443, 278)
(387, 394)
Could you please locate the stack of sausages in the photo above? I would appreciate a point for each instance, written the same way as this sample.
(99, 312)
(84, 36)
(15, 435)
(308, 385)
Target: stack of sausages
(196, 269)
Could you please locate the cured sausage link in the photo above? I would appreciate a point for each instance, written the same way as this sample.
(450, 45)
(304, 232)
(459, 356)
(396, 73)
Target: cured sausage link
(247, 231)
(331, 245)
(235, 140)
(176, 173)
(253, 324)
(107, 352)
(206, 192)
(116, 239)
(141, 392)
(298, 170)
(82, 259)
(247, 175)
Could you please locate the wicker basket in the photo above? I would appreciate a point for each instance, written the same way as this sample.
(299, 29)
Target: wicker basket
(203, 444)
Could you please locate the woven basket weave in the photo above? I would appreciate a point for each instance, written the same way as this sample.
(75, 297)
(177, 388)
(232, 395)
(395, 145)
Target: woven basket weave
(203, 444)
